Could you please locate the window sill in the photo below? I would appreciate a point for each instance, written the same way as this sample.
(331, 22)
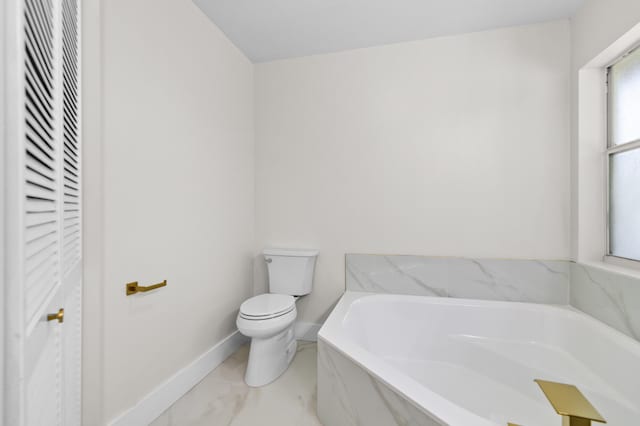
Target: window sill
(616, 265)
(623, 263)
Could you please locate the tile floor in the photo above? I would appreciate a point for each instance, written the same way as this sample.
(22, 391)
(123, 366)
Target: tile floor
(222, 398)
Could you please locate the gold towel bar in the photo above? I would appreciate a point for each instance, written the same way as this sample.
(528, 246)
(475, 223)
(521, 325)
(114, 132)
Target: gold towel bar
(133, 288)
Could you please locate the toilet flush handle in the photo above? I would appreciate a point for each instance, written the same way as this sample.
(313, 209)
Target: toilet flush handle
(268, 259)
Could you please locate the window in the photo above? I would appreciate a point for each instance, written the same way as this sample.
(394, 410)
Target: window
(623, 157)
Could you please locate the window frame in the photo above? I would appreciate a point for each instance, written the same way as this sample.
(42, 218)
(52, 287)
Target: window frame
(610, 150)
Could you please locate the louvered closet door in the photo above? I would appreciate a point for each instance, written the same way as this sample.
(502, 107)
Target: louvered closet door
(48, 214)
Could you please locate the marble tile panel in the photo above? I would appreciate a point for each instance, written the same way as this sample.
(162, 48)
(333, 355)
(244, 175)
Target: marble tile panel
(534, 281)
(611, 297)
(349, 396)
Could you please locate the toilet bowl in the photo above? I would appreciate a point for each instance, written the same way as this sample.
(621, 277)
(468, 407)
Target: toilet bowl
(270, 328)
(268, 319)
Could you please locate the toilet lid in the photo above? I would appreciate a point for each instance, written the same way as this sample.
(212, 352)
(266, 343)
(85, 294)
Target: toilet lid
(267, 305)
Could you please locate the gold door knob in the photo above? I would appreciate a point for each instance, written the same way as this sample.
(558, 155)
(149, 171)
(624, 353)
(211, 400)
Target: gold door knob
(59, 316)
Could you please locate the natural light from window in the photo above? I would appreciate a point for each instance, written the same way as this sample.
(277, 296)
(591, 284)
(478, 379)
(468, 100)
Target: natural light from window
(624, 157)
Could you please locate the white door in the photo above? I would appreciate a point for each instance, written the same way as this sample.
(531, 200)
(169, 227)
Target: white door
(43, 265)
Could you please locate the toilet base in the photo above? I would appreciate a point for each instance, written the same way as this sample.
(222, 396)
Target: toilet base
(270, 357)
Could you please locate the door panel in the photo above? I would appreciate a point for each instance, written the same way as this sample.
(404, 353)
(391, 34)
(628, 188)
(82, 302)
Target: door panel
(71, 214)
(42, 203)
(43, 370)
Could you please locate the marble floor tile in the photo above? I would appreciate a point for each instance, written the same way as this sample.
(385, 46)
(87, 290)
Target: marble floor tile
(222, 398)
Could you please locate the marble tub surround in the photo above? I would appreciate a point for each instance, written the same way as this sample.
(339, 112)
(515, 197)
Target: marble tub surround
(534, 281)
(348, 395)
(609, 296)
(223, 399)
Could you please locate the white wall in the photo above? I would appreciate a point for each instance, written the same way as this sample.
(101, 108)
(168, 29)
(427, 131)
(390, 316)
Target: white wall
(594, 29)
(598, 24)
(2, 220)
(173, 135)
(449, 146)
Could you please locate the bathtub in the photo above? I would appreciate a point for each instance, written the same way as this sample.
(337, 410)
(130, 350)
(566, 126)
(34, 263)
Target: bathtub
(410, 360)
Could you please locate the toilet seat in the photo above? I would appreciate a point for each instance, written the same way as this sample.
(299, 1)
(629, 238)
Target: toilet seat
(267, 306)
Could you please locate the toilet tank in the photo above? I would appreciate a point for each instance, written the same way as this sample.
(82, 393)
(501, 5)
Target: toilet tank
(290, 271)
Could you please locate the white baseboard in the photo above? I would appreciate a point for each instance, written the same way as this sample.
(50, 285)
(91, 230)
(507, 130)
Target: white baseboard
(162, 397)
(307, 331)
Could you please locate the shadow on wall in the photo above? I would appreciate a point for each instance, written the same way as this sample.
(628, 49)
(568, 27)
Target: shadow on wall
(260, 275)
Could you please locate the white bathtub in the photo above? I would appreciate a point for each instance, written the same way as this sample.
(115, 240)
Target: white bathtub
(393, 359)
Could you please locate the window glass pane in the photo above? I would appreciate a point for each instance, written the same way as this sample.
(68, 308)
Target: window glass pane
(624, 100)
(624, 208)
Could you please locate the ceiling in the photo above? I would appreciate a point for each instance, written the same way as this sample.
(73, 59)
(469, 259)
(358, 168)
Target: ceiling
(275, 29)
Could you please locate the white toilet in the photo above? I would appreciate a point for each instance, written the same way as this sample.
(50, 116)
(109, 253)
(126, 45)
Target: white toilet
(268, 318)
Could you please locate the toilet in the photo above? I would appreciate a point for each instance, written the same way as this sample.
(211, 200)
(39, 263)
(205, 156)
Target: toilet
(268, 318)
